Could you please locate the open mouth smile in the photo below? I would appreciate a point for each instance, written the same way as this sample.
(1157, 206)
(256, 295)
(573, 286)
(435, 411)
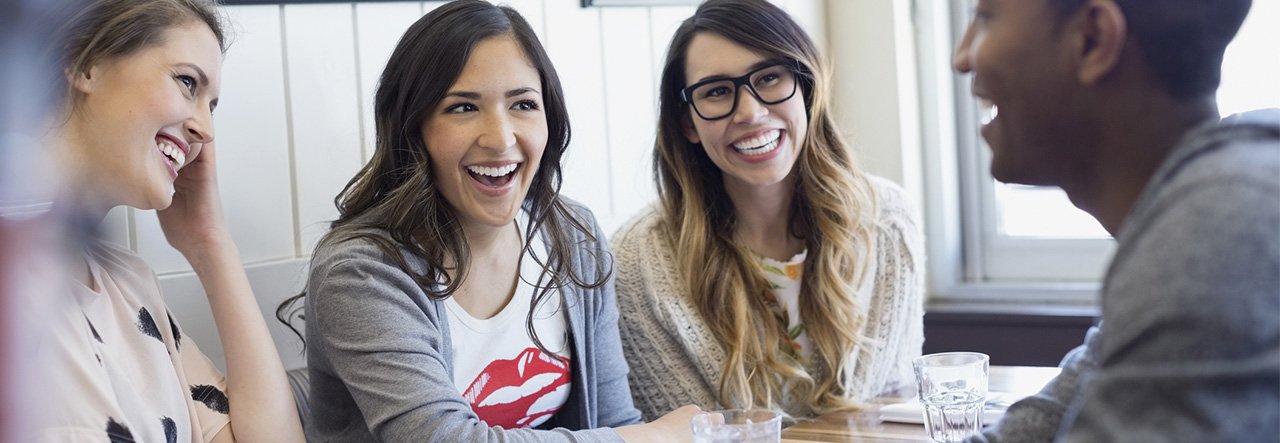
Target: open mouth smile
(493, 177)
(174, 155)
(759, 145)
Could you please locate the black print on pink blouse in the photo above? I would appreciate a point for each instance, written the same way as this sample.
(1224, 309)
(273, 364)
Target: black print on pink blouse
(177, 336)
(93, 330)
(147, 325)
(170, 430)
(117, 433)
(211, 397)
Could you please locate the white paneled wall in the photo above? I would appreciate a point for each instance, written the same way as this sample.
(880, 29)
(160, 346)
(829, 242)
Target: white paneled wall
(296, 122)
(630, 112)
(320, 63)
(378, 28)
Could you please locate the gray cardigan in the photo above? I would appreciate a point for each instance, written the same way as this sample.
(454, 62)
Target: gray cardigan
(382, 366)
(1189, 349)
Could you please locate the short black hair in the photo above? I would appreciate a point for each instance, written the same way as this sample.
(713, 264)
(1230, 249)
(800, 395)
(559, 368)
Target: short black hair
(1182, 40)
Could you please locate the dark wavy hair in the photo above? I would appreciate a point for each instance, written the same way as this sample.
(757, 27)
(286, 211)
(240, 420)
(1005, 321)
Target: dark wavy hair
(396, 191)
(1182, 41)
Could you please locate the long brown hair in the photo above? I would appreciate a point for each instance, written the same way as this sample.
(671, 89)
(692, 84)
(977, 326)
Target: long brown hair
(396, 191)
(833, 210)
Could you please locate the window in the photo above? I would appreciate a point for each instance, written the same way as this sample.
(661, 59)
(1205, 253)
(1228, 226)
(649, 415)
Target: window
(1028, 243)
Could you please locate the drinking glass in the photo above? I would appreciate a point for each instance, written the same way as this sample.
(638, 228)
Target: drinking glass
(738, 426)
(953, 389)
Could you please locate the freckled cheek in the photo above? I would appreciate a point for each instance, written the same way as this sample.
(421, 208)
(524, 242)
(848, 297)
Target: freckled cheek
(446, 144)
(445, 161)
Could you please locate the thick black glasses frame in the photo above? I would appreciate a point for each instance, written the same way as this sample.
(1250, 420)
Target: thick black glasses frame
(686, 94)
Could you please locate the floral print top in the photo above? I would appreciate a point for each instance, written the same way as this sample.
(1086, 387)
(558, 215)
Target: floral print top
(783, 298)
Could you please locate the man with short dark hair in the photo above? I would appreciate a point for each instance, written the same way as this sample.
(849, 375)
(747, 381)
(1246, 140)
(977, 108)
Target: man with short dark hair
(1113, 101)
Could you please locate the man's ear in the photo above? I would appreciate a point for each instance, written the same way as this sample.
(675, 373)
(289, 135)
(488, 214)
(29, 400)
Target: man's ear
(690, 132)
(1103, 32)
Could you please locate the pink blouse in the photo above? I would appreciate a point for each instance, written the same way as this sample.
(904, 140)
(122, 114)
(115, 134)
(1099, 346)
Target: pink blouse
(117, 365)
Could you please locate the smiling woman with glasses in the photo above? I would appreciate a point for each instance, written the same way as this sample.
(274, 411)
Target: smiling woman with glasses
(773, 273)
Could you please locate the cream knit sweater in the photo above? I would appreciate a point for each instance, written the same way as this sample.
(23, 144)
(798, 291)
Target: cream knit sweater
(675, 359)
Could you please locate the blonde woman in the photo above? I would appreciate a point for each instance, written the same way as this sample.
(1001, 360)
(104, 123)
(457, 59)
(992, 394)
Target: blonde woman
(136, 128)
(772, 273)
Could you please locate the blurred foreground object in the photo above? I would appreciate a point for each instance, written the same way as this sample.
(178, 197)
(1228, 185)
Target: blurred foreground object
(29, 269)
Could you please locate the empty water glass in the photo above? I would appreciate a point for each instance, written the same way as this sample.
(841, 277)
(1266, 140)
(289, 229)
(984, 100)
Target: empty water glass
(953, 389)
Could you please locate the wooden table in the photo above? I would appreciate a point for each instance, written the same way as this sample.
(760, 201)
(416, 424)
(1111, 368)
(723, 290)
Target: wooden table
(865, 426)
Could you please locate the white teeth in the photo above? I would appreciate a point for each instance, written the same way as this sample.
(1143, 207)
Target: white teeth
(759, 145)
(174, 154)
(758, 141)
(987, 111)
(493, 172)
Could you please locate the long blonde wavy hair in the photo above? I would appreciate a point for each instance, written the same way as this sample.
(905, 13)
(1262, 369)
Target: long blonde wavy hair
(833, 210)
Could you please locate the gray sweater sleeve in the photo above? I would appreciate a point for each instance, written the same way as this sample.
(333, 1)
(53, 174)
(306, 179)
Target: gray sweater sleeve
(371, 321)
(1038, 417)
(612, 390)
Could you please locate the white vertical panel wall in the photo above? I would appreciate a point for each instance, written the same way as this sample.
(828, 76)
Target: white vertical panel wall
(378, 29)
(579, 62)
(295, 123)
(324, 110)
(252, 139)
(631, 110)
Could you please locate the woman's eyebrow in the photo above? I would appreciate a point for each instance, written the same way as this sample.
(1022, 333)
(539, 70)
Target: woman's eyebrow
(464, 94)
(755, 66)
(515, 92)
(476, 95)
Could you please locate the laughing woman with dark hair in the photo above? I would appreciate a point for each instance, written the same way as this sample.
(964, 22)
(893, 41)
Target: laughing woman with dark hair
(458, 297)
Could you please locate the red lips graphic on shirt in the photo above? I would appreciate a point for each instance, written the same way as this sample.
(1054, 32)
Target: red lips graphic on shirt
(517, 393)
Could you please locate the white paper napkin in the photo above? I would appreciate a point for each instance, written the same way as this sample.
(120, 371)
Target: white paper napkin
(913, 412)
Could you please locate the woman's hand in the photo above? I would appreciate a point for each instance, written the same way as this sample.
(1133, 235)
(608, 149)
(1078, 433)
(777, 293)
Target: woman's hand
(194, 224)
(670, 428)
(260, 400)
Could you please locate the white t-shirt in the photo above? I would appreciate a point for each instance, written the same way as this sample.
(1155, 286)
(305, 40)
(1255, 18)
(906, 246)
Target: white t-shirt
(497, 367)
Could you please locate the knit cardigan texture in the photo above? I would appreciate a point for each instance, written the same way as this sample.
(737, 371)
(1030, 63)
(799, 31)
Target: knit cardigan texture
(675, 358)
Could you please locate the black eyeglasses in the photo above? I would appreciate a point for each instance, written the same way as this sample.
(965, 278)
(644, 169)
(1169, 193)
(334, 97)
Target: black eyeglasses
(717, 98)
